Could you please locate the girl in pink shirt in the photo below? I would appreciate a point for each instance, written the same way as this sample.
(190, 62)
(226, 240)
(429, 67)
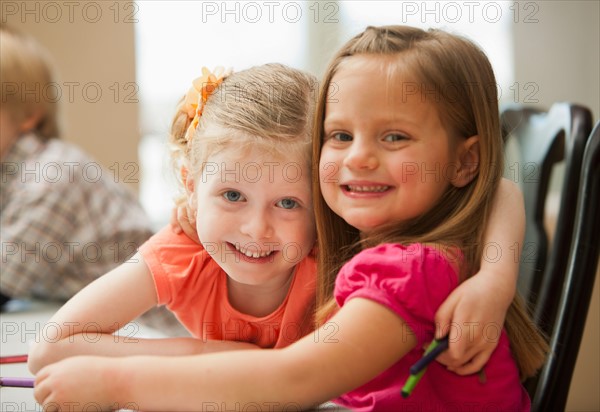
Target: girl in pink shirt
(410, 156)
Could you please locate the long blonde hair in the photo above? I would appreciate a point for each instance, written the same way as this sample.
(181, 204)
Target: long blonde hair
(26, 70)
(270, 106)
(463, 81)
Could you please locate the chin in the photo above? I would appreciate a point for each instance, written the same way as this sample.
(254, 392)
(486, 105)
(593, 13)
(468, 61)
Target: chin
(365, 225)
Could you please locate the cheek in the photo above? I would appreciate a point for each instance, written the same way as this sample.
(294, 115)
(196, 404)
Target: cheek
(299, 240)
(202, 228)
(207, 221)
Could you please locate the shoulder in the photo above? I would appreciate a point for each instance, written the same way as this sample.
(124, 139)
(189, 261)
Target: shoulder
(307, 267)
(410, 280)
(62, 154)
(405, 259)
(398, 271)
(178, 265)
(173, 253)
(167, 241)
(61, 162)
(305, 276)
(54, 165)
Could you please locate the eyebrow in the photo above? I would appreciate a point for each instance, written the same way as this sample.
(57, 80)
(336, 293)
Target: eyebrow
(385, 122)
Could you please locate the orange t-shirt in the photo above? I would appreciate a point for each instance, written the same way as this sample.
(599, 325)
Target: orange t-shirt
(194, 288)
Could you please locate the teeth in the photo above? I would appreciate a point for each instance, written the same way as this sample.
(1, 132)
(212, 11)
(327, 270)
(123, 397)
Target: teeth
(354, 188)
(254, 255)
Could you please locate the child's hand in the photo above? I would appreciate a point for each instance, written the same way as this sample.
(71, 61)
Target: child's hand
(475, 313)
(76, 384)
(183, 219)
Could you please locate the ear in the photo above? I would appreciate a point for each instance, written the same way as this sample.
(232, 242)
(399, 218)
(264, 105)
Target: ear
(468, 161)
(188, 183)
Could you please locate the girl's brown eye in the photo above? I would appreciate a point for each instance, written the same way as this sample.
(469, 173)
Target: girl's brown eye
(395, 137)
(342, 137)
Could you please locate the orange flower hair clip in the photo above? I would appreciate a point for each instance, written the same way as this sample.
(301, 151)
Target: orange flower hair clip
(196, 97)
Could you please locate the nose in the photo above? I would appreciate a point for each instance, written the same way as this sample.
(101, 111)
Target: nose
(257, 225)
(361, 154)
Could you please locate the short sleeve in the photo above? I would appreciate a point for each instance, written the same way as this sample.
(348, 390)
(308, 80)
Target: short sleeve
(178, 265)
(412, 281)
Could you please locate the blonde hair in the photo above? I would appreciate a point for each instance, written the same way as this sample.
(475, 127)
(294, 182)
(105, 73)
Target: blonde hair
(27, 79)
(270, 106)
(464, 90)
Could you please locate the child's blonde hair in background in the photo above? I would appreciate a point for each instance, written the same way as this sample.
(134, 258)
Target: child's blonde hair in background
(457, 77)
(26, 74)
(270, 107)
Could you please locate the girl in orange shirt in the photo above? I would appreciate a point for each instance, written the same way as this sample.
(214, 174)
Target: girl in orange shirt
(242, 142)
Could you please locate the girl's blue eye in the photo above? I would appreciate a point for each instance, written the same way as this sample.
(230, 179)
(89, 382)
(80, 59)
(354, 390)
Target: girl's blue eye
(287, 204)
(233, 196)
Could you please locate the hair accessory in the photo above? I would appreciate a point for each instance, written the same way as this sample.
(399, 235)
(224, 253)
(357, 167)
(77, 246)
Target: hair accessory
(196, 97)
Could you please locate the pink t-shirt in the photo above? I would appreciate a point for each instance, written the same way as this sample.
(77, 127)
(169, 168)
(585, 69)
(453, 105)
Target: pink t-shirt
(194, 288)
(413, 281)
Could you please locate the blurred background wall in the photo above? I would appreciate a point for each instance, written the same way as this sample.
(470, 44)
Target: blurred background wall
(95, 66)
(122, 65)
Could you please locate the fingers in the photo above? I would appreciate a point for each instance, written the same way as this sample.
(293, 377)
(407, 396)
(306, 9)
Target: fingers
(190, 215)
(184, 220)
(188, 224)
(174, 222)
(41, 391)
(443, 316)
(474, 365)
(456, 356)
(467, 356)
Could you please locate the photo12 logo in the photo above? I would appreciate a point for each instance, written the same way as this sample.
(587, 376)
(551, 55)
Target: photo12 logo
(269, 11)
(71, 92)
(468, 11)
(69, 11)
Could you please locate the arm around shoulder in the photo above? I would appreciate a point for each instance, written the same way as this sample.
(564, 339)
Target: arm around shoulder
(483, 299)
(506, 239)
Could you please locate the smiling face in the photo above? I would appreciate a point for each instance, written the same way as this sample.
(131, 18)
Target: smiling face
(254, 214)
(386, 155)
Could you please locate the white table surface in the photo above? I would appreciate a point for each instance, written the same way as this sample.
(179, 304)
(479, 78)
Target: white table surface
(21, 322)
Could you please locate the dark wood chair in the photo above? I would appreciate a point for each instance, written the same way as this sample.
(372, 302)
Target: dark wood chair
(554, 380)
(544, 139)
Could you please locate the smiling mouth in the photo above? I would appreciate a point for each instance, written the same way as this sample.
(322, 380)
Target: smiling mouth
(366, 189)
(251, 254)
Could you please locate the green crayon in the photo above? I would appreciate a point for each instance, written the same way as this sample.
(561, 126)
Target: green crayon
(421, 366)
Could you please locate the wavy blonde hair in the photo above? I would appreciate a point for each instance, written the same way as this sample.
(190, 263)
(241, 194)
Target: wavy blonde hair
(463, 81)
(270, 106)
(26, 66)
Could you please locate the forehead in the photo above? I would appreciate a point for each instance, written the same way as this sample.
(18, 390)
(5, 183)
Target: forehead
(390, 69)
(374, 78)
(259, 151)
(379, 87)
(249, 164)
